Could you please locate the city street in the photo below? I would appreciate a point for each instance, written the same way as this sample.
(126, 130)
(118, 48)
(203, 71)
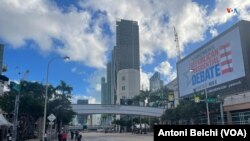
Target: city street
(94, 136)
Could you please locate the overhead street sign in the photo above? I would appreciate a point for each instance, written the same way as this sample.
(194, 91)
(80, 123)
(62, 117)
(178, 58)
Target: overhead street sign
(51, 117)
(211, 100)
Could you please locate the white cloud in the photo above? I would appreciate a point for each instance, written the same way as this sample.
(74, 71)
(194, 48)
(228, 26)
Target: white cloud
(145, 80)
(98, 87)
(220, 15)
(167, 71)
(94, 80)
(213, 32)
(82, 34)
(43, 22)
(156, 24)
(91, 99)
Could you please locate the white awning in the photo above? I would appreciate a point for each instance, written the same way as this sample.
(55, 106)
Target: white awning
(4, 121)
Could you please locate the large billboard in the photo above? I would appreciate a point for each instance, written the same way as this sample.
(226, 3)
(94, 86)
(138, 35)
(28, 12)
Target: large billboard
(217, 63)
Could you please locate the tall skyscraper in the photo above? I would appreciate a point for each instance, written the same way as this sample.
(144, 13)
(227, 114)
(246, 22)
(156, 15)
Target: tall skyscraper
(109, 66)
(82, 119)
(127, 45)
(113, 78)
(104, 98)
(155, 82)
(127, 62)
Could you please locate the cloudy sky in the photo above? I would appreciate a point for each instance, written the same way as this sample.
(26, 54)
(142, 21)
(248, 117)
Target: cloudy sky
(35, 31)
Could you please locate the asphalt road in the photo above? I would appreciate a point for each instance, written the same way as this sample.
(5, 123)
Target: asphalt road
(97, 136)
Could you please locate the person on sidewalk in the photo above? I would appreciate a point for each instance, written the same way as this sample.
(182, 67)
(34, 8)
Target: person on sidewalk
(45, 136)
(72, 134)
(59, 136)
(76, 135)
(79, 137)
(64, 136)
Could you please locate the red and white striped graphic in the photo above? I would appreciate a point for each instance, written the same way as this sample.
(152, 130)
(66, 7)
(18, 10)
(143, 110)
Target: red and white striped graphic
(226, 61)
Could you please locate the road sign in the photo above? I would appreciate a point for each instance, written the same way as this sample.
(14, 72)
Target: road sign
(211, 100)
(170, 97)
(197, 99)
(51, 123)
(51, 117)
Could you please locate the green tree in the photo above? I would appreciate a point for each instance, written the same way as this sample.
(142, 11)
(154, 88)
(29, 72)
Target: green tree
(31, 104)
(60, 104)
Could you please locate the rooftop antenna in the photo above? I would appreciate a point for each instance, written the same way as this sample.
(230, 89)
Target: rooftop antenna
(177, 45)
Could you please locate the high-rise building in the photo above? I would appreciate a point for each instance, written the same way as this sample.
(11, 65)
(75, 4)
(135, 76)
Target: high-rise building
(108, 94)
(127, 62)
(82, 101)
(113, 78)
(82, 119)
(155, 82)
(127, 45)
(104, 99)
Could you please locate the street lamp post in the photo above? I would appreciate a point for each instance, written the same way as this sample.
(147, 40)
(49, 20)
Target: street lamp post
(46, 92)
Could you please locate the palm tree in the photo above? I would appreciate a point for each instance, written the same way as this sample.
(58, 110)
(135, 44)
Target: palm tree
(64, 88)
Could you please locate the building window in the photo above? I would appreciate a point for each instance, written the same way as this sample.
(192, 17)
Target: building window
(123, 78)
(123, 88)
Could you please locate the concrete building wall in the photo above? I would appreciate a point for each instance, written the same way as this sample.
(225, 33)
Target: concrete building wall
(128, 84)
(173, 85)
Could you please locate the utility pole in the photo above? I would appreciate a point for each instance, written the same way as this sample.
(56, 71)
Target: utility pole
(18, 88)
(177, 45)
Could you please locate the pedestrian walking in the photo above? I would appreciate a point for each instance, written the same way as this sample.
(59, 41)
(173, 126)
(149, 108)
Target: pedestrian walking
(45, 136)
(10, 138)
(76, 135)
(79, 137)
(59, 136)
(64, 136)
(72, 134)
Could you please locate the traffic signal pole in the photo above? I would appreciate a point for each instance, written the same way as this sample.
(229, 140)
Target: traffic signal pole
(14, 136)
(16, 115)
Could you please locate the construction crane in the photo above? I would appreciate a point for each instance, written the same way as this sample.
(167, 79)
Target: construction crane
(177, 45)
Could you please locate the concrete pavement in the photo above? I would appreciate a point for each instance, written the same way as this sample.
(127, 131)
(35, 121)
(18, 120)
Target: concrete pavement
(100, 136)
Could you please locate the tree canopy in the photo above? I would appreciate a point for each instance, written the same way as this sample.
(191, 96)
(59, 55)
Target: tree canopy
(31, 103)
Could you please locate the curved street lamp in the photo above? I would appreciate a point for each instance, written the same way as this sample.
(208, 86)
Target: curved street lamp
(46, 92)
